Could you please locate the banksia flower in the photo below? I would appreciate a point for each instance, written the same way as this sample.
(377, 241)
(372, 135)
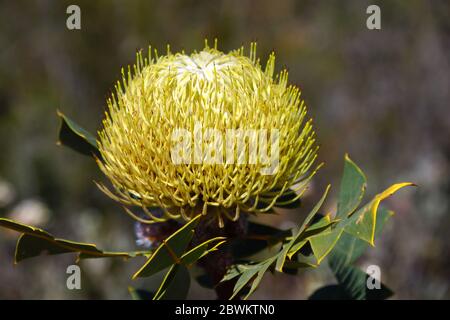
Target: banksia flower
(209, 133)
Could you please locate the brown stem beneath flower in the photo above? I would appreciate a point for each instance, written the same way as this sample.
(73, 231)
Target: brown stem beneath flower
(216, 265)
(218, 262)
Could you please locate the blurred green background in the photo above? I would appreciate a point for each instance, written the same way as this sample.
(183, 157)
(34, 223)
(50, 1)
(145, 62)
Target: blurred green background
(382, 96)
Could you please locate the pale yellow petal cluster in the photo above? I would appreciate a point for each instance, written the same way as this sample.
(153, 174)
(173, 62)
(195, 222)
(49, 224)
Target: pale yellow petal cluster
(219, 91)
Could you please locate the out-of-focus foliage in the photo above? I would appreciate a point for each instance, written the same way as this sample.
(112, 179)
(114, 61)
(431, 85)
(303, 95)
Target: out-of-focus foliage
(380, 95)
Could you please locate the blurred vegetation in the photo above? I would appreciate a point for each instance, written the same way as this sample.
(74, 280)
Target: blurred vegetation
(383, 96)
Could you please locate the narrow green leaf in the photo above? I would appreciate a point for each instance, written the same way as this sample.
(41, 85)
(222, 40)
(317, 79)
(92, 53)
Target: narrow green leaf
(282, 256)
(354, 283)
(339, 292)
(34, 242)
(77, 138)
(266, 232)
(378, 294)
(312, 214)
(324, 235)
(140, 294)
(29, 246)
(324, 224)
(245, 278)
(261, 271)
(175, 285)
(23, 228)
(323, 243)
(295, 248)
(298, 265)
(259, 237)
(330, 292)
(353, 186)
(235, 271)
(201, 250)
(170, 251)
(362, 223)
(254, 273)
(349, 248)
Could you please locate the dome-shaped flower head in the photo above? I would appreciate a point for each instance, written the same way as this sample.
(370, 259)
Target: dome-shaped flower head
(211, 132)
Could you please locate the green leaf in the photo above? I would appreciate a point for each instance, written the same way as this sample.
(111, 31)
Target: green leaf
(324, 235)
(323, 243)
(351, 236)
(378, 294)
(77, 138)
(324, 224)
(330, 292)
(140, 294)
(353, 186)
(23, 228)
(235, 271)
(338, 292)
(350, 248)
(244, 279)
(291, 264)
(259, 237)
(201, 250)
(175, 285)
(362, 223)
(261, 271)
(266, 232)
(352, 280)
(170, 251)
(246, 247)
(255, 272)
(34, 242)
(282, 256)
(354, 283)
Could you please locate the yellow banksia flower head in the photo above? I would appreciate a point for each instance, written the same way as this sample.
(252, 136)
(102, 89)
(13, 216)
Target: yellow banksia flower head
(211, 132)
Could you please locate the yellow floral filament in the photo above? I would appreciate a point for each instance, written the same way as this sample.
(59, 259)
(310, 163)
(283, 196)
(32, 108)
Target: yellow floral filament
(221, 91)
